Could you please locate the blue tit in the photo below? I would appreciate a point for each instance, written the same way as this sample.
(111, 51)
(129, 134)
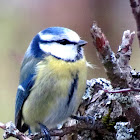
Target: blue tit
(52, 79)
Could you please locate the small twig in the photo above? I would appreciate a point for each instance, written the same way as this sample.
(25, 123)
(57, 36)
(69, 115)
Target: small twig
(123, 90)
(11, 130)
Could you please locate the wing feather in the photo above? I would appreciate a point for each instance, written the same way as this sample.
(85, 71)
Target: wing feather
(27, 79)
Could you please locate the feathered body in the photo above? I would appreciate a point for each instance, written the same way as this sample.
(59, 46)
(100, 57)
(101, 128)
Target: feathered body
(52, 79)
(46, 103)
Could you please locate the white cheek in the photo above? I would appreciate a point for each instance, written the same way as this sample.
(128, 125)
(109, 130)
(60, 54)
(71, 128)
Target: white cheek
(65, 52)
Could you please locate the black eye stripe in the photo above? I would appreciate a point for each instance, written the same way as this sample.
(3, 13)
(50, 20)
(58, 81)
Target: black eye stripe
(63, 42)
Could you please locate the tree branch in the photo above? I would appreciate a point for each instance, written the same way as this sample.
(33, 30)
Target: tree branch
(113, 64)
(11, 130)
(120, 73)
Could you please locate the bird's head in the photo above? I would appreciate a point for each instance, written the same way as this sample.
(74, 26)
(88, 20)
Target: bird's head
(59, 42)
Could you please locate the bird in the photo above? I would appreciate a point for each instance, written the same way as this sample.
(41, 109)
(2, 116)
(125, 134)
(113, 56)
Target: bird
(52, 80)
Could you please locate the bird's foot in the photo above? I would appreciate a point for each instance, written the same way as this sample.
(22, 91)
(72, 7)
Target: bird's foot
(45, 131)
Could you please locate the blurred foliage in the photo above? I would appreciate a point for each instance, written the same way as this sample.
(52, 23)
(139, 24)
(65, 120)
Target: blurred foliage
(21, 20)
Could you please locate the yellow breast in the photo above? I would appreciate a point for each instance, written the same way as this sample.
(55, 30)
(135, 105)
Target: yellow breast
(61, 68)
(63, 72)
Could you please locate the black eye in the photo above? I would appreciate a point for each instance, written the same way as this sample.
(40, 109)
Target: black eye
(64, 42)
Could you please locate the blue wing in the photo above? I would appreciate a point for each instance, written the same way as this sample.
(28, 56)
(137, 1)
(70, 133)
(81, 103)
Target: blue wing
(22, 94)
(27, 79)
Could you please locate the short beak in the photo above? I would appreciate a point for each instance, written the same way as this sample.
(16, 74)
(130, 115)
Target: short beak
(82, 43)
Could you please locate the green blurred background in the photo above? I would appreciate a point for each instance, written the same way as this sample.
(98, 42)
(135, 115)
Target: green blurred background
(21, 20)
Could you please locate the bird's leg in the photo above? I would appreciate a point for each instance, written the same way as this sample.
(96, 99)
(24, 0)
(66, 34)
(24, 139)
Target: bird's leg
(45, 131)
(29, 131)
